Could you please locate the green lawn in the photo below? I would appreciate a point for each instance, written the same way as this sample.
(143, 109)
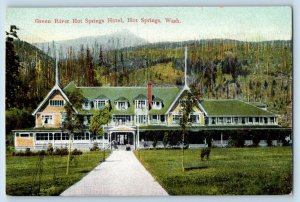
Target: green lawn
(20, 172)
(230, 171)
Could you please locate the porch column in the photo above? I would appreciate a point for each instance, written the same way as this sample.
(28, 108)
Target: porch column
(103, 141)
(222, 139)
(53, 141)
(138, 137)
(134, 139)
(110, 140)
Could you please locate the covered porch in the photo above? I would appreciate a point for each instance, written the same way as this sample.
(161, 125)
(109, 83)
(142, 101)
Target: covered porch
(123, 136)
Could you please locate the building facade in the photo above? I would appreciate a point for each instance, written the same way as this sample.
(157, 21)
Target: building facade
(131, 108)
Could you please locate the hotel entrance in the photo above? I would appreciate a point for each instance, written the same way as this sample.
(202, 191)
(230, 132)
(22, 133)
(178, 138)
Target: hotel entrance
(122, 138)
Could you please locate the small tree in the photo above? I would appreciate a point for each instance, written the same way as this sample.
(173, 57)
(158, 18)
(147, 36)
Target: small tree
(187, 103)
(166, 139)
(99, 119)
(72, 122)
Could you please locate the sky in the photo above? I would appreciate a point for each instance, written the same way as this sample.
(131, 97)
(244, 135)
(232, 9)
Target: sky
(240, 23)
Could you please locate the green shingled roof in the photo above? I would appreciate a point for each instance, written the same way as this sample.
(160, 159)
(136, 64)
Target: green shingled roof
(232, 108)
(168, 95)
(102, 97)
(122, 99)
(141, 97)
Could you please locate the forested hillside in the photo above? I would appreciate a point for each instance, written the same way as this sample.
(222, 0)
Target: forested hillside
(217, 69)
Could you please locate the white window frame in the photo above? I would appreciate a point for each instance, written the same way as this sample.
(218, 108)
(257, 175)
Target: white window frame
(86, 106)
(122, 105)
(141, 104)
(197, 119)
(144, 119)
(99, 104)
(156, 105)
(49, 118)
(56, 103)
(156, 119)
(174, 120)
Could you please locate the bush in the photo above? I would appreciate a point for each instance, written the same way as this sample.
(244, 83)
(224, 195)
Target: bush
(166, 139)
(76, 152)
(205, 152)
(255, 139)
(154, 142)
(62, 151)
(95, 147)
(50, 149)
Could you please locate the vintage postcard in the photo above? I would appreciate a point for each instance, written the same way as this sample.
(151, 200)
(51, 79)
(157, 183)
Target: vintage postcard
(149, 101)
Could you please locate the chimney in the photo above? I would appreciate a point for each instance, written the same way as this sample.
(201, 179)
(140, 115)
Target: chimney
(150, 94)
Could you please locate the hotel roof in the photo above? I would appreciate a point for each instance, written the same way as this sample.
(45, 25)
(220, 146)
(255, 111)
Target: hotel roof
(166, 94)
(232, 108)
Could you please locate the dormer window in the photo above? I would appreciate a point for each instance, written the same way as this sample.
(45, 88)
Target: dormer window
(157, 103)
(122, 103)
(99, 104)
(56, 103)
(140, 104)
(86, 105)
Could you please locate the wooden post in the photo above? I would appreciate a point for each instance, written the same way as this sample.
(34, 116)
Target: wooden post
(68, 162)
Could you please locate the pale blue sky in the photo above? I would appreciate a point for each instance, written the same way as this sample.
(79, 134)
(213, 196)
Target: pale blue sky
(241, 23)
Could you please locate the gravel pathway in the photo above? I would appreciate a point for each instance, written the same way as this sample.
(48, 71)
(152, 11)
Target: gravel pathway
(120, 175)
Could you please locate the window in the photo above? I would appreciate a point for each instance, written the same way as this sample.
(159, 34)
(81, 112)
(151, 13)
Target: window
(65, 136)
(251, 120)
(142, 119)
(24, 135)
(243, 120)
(57, 136)
(99, 104)
(176, 118)
(86, 106)
(272, 120)
(256, 119)
(63, 117)
(47, 119)
(194, 118)
(221, 120)
(162, 118)
(213, 120)
(79, 136)
(87, 136)
(265, 120)
(140, 104)
(236, 120)
(154, 118)
(156, 105)
(121, 119)
(56, 103)
(86, 120)
(122, 105)
(42, 136)
(228, 120)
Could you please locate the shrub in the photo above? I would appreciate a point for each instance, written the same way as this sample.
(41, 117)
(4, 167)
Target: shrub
(154, 142)
(255, 139)
(50, 149)
(76, 152)
(166, 139)
(205, 152)
(42, 153)
(62, 151)
(95, 147)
